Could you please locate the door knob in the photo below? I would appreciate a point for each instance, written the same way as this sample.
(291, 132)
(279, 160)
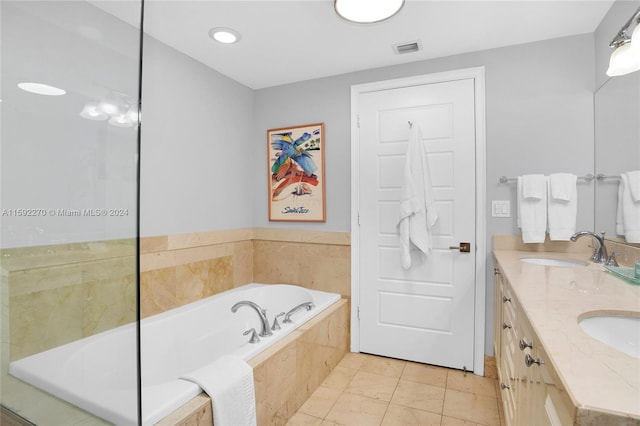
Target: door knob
(463, 247)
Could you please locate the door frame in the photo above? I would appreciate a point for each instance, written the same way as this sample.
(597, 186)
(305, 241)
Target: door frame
(477, 74)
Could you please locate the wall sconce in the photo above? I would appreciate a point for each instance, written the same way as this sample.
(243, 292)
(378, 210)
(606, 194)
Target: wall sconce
(367, 11)
(626, 56)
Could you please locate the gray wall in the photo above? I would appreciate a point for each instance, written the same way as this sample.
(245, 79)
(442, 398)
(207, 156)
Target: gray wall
(196, 158)
(539, 109)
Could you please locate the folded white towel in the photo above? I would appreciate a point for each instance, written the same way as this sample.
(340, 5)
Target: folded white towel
(562, 206)
(562, 186)
(633, 179)
(229, 382)
(534, 187)
(630, 212)
(532, 211)
(619, 220)
(417, 204)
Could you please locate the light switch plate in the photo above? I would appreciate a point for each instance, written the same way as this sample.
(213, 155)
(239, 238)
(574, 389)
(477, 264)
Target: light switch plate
(501, 208)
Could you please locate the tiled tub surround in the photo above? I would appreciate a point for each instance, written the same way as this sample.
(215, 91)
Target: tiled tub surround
(52, 295)
(287, 373)
(603, 384)
(179, 269)
(99, 373)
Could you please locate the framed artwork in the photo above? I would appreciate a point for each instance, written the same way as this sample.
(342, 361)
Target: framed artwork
(296, 173)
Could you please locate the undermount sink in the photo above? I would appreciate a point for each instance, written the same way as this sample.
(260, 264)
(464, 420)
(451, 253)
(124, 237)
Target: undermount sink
(548, 261)
(619, 332)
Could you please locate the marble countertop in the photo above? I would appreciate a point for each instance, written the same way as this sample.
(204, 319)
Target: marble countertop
(598, 378)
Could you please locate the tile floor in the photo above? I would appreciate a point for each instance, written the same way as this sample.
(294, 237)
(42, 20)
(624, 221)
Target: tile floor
(368, 390)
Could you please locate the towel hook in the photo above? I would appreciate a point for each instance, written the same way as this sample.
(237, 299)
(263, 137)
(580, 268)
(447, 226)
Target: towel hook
(410, 124)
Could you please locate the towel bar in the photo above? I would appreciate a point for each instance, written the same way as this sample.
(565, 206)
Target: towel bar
(587, 178)
(602, 177)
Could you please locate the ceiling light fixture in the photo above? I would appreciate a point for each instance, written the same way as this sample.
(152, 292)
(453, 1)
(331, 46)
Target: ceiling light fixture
(367, 11)
(626, 56)
(224, 35)
(41, 89)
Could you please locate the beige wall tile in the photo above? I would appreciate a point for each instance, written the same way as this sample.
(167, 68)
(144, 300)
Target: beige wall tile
(158, 291)
(44, 319)
(242, 263)
(154, 244)
(220, 275)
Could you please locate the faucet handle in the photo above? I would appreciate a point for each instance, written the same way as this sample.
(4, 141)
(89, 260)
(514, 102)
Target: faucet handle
(276, 325)
(611, 261)
(254, 335)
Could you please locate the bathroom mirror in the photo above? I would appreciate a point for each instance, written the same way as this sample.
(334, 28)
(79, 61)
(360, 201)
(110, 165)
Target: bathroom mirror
(617, 145)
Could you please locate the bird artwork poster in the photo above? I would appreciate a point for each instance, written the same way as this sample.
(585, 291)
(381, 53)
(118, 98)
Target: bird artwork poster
(296, 173)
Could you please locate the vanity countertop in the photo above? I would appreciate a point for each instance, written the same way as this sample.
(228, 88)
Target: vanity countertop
(600, 380)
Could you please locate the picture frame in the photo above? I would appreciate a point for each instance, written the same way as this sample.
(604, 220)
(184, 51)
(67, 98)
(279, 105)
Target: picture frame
(295, 157)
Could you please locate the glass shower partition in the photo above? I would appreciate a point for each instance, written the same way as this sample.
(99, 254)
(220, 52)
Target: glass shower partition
(69, 149)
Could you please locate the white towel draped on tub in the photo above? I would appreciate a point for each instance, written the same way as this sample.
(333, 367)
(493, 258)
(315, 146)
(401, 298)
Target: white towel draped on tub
(532, 207)
(229, 383)
(417, 205)
(562, 206)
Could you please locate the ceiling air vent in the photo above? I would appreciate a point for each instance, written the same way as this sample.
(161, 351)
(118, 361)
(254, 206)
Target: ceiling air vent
(410, 47)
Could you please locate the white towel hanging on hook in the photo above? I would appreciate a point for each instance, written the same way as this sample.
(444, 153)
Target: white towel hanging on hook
(417, 204)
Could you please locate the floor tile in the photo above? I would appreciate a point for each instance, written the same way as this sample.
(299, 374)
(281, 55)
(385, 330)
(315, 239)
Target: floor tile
(339, 378)
(471, 407)
(320, 402)
(372, 385)
(300, 419)
(353, 360)
(452, 421)
(424, 373)
(383, 366)
(397, 415)
(352, 409)
(469, 382)
(420, 396)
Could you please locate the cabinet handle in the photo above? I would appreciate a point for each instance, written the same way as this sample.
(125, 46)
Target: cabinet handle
(529, 360)
(506, 299)
(524, 344)
(496, 271)
(505, 325)
(503, 386)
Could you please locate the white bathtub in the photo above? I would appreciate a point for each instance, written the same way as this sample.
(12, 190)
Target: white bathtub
(98, 373)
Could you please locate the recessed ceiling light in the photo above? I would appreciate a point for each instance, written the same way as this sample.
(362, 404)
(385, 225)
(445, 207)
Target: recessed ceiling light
(224, 35)
(41, 89)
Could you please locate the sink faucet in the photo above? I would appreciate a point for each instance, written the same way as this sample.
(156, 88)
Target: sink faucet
(307, 305)
(265, 331)
(599, 252)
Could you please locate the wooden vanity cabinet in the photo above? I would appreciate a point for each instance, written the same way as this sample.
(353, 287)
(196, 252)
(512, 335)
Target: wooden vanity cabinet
(532, 393)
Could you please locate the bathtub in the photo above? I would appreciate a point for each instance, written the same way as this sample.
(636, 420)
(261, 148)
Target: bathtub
(99, 373)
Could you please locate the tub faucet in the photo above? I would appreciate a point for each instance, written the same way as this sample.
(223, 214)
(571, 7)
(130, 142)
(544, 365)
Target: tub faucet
(265, 331)
(307, 305)
(599, 252)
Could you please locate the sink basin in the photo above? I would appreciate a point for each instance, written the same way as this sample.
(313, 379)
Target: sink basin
(619, 332)
(548, 261)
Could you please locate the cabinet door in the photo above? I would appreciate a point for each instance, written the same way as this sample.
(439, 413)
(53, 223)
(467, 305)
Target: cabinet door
(497, 314)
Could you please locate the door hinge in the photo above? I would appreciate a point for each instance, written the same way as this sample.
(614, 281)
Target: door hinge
(358, 312)
(358, 120)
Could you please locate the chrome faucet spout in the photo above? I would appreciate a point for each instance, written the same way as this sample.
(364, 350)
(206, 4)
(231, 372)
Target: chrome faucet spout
(307, 305)
(600, 252)
(265, 329)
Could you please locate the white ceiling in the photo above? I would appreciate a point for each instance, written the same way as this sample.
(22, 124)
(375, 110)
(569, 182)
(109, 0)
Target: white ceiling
(288, 41)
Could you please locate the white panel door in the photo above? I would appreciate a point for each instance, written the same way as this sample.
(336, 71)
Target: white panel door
(426, 313)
